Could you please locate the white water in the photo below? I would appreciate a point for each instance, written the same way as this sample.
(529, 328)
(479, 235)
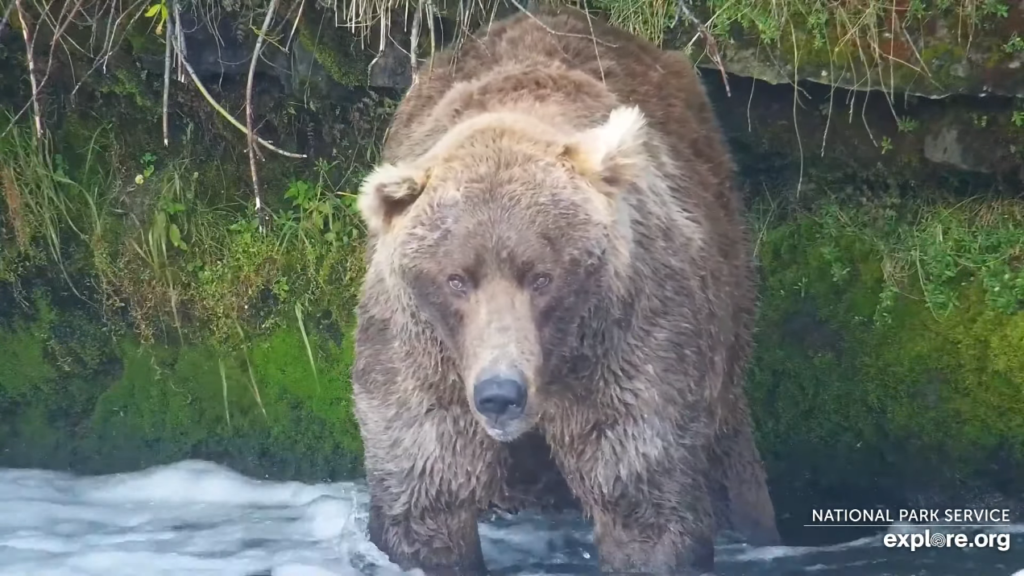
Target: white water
(195, 518)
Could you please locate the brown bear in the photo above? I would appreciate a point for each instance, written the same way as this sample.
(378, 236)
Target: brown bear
(556, 250)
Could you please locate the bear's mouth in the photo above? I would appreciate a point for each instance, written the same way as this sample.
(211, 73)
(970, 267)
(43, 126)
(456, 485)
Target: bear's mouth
(507, 431)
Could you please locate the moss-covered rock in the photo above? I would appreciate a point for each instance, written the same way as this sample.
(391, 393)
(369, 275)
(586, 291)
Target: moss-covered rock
(918, 47)
(71, 398)
(889, 366)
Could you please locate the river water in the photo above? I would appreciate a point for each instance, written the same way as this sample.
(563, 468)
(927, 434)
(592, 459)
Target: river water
(194, 518)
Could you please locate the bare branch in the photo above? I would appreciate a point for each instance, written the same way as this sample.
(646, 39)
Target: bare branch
(168, 52)
(216, 106)
(26, 32)
(683, 10)
(291, 35)
(250, 141)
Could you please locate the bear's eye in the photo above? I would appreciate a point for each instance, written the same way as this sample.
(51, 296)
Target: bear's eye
(540, 281)
(457, 283)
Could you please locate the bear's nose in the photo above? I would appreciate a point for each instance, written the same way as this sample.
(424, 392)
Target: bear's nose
(501, 397)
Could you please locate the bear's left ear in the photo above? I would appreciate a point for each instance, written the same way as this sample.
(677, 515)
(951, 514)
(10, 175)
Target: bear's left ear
(388, 192)
(611, 155)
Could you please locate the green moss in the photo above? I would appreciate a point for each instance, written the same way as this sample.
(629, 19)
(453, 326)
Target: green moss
(345, 65)
(51, 370)
(281, 367)
(167, 403)
(132, 84)
(170, 404)
(23, 366)
(861, 380)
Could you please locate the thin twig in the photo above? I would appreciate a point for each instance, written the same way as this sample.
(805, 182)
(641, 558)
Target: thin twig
(6, 18)
(414, 40)
(168, 52)
(519, 6)
(712, 46)
(26, 33)
(250, 144)
(219, 108)
(30, 50)
(796, 100)
(597, 52)
(288, 44)
(109, 40)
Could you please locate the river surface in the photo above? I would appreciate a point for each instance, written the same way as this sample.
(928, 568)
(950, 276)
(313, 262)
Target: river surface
(196, 518)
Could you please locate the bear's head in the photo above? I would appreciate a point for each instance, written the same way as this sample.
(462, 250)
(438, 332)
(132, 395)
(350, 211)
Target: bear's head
(502, 237)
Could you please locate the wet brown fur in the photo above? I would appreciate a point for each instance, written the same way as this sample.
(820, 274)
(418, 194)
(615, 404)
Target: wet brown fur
(635, 357)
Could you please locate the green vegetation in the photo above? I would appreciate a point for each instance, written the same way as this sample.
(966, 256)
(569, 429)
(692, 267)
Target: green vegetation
(145, 313)
(891, 346)
(71, 395)
(187, 332)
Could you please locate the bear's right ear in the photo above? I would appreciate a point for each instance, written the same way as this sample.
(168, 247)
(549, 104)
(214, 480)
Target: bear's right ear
(388, 192)
(613, 154)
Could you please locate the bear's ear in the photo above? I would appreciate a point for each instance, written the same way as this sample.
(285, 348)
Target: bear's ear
(387, 192)
(612, 155)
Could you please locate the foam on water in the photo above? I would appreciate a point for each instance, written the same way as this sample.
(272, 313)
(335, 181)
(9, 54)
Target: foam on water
(195, 517)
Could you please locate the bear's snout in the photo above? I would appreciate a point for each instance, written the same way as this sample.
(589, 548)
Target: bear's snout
(500, 398)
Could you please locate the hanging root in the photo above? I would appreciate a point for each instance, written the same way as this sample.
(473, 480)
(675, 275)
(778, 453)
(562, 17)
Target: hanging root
(168, 52)
(251, 135)
(682, 10)
(179, 49)
(26, 33)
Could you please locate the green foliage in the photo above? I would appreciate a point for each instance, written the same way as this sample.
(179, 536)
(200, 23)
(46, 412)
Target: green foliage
(192, 307)
(936, 251)
(888, 336)
(173, 249)
(1014, 44)
(343, 64)
(46, 200)
(70, 395)
(51, 371)
(158, 12)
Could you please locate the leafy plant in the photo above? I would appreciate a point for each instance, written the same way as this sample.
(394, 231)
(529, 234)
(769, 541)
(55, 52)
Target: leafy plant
(158, 12)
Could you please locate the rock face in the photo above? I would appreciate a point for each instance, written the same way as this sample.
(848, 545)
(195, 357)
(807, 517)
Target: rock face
(975, 49)
(915, 138)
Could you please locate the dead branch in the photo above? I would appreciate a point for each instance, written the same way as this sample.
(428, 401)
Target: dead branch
(250, 143)
(414, 40)
(26, 33)
(108, 41)
(295, 25)
(168, 52)
(683, 10)
(213, 102)
(37, 86)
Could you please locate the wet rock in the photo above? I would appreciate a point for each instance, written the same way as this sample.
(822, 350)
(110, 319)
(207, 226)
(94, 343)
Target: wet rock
(918, 139)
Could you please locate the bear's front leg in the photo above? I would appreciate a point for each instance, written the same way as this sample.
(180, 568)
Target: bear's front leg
(644, 490)
(429, 476)
(440, 542)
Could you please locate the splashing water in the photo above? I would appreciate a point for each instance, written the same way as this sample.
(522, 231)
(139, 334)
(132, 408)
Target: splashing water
(195, 517)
